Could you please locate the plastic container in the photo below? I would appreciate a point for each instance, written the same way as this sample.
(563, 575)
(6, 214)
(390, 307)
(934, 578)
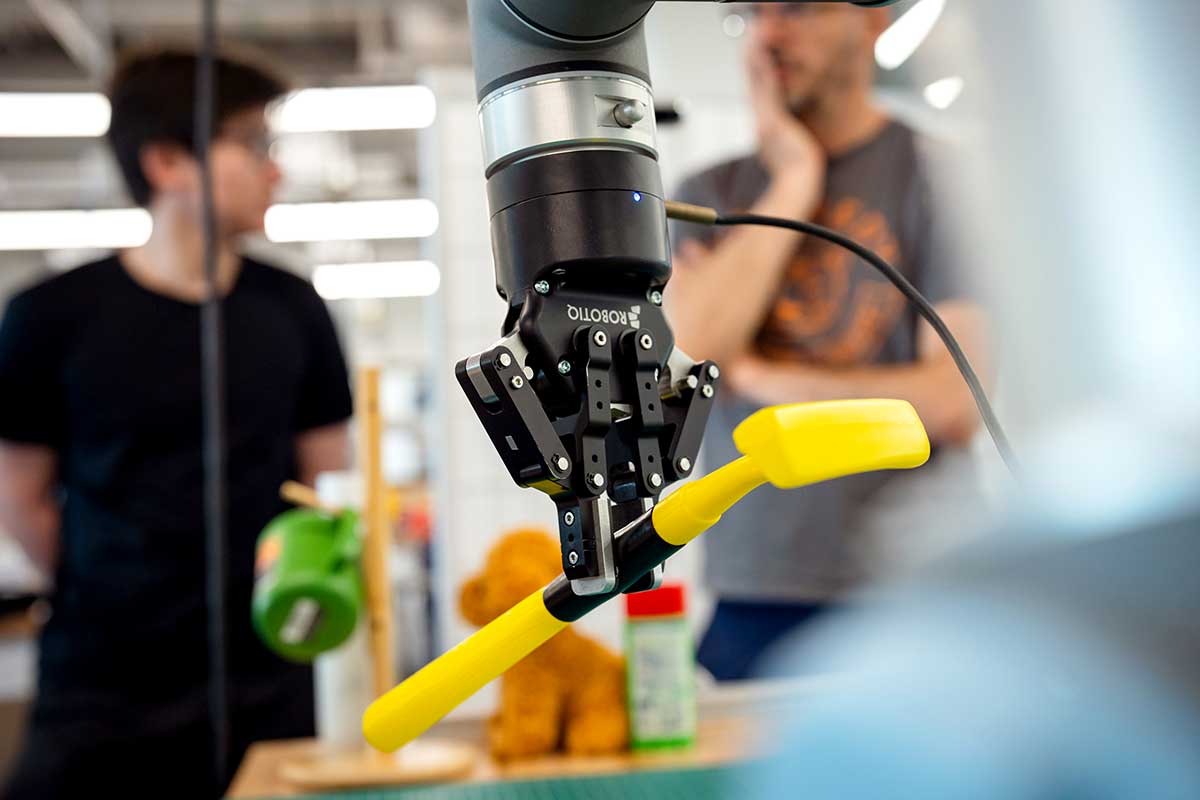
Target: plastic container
(661, 673)
(308, 593)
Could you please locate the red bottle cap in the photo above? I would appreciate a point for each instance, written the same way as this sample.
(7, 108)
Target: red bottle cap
(669, 600)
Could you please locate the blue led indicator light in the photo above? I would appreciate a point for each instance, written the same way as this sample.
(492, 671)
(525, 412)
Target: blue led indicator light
(637, 197)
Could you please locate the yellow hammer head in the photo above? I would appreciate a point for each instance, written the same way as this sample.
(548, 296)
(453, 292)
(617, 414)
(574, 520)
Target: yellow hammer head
(811, 442)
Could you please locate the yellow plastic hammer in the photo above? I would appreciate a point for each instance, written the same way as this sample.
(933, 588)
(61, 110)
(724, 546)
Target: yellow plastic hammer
(787, 446)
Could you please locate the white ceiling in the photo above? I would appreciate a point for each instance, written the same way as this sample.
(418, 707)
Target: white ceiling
(41, 41)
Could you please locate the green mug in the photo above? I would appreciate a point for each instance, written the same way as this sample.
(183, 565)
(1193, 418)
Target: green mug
(308, 590)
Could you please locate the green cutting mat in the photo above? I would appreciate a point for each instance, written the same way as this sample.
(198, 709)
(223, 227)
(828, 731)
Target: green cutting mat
(724, 783)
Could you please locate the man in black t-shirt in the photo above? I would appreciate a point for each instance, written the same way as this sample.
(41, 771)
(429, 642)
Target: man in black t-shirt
(101, 467)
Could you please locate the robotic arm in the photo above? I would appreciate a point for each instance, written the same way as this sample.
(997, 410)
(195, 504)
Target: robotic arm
(585, 396)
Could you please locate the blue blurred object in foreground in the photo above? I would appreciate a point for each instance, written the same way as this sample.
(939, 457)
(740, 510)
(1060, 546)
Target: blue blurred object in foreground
(1062, 658)
(1052, 670)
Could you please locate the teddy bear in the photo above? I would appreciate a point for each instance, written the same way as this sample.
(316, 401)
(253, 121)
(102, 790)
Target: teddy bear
(569, 694)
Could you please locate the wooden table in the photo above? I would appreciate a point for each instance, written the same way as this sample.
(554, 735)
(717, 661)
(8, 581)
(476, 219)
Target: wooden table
(736, 724)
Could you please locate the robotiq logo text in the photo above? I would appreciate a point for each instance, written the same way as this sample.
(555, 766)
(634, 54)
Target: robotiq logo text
(630, 318)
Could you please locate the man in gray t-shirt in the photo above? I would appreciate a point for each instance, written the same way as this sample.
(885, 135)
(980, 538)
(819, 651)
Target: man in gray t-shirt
(794, 319)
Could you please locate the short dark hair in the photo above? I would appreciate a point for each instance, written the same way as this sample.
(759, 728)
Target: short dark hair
(153, 96)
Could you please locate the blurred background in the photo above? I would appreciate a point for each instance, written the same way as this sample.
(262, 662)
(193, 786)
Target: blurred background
(423, 163)
(400, 173)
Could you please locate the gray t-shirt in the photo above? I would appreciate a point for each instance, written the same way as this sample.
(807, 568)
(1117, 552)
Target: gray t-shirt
(832, 310)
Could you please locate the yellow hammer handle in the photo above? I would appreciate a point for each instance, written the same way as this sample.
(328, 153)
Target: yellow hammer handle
(697, 506)
(410, 709)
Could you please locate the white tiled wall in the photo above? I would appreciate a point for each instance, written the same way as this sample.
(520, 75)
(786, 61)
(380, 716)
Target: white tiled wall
(476, 501)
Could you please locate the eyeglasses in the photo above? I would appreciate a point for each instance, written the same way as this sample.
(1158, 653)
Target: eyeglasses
(790, 11)
(258, 143)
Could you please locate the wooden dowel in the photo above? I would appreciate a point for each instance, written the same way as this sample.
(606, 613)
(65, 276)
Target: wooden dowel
(375, 549)
(305, 496)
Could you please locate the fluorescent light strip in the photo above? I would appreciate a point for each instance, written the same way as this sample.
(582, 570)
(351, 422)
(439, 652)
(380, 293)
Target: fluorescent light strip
(942, 94)
(303, 222)
(39, 115)
(898, 43)
(385, 279)
(63, 230)
(355, 108)
(370, 219)
(88, 114)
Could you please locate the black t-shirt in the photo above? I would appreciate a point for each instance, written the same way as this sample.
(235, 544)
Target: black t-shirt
(107, 373)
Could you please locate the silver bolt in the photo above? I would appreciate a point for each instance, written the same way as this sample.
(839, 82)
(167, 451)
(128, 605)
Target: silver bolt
(713, 371)
(596, 479)
(629, 113)
(505, 360)
(646, 341)
(691, 382)
(572, 558)
(656, 297)
(517, 382)
(685, 464)
(569, 518)
(600, 338)
(562, 463)
(564, 367)
(542, 287)
(708, 392)
(656, 480)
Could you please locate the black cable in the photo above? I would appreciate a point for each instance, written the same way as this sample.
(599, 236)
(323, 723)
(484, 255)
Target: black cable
(213, 409)
(923, 306)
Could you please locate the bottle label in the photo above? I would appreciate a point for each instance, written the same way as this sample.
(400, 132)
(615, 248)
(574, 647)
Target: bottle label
(662, 686)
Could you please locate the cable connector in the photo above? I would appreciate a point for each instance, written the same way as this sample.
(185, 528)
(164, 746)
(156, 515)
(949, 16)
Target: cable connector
(686, 212)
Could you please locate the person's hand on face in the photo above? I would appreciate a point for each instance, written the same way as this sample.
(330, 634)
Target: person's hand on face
(788, 150)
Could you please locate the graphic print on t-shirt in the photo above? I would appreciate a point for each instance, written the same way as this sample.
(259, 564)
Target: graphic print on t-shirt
(833, 309)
